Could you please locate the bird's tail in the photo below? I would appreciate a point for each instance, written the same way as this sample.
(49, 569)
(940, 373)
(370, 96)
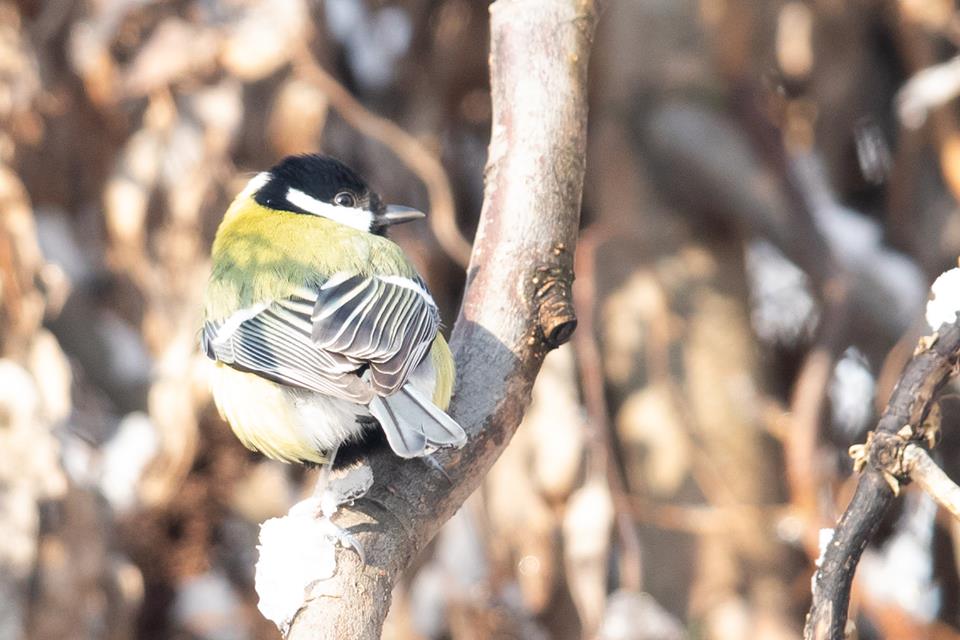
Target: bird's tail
(414, 426)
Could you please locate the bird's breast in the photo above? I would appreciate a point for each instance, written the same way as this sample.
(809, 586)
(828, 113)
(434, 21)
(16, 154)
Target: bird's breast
(283, 423)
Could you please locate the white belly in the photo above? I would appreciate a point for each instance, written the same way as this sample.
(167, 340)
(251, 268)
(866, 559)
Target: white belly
(290, 424)
(325, 421)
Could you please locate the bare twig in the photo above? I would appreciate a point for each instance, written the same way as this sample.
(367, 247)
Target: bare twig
(924, 471)
(806, 408)
(521, 263)
(602, 437)
(423, 163)
(903, 421)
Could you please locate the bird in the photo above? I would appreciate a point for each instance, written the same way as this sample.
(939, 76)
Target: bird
(323, 336)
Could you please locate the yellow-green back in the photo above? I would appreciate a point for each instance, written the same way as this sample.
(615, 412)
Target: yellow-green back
(261, 254)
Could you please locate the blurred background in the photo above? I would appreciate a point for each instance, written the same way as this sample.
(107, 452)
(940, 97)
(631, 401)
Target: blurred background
(770, 188)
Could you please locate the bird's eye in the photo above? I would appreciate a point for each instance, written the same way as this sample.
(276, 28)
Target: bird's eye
(344, 199)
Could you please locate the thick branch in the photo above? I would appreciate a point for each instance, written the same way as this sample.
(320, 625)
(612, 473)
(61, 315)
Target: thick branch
(930, 368)
(516, 306)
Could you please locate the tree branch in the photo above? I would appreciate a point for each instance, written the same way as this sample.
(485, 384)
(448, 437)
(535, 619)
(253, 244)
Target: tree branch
(924, 471)
(516, 305)
(904, 421)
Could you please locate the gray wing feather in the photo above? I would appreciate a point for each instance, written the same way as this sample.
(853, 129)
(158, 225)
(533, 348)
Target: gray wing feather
(319, 338)
(414, 426)
(275, 343)
(387, 325)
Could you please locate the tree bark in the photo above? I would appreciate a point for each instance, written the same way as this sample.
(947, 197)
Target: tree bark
(516, 306)
(903, 421)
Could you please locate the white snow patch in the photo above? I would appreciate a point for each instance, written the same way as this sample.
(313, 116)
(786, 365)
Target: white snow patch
(852, 235)
(295, 553)
(626, 608)
(927, 89)
(298, 550)
(824, 538)
(857, 242)
(945, 304)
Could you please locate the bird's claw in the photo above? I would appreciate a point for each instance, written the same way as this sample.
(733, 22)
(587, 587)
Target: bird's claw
(435, 465)
(339, 535)
(335, 490)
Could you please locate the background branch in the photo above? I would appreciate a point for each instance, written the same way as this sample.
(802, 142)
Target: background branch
(924, 471)
(924, 376)
(425, 164)
(522, 263)
(602, 436)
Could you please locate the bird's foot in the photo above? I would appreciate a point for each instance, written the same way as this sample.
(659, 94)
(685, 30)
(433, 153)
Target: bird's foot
(333, 490)
(339, 535)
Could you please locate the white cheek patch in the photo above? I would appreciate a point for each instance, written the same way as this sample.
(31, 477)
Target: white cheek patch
(352, 217)
(255, 184)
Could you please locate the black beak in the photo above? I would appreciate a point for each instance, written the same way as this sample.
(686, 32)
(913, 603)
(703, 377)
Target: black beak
(395, 214)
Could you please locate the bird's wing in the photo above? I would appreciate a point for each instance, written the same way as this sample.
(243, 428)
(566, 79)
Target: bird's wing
(385, 322)
(273, 341)
(319, 338)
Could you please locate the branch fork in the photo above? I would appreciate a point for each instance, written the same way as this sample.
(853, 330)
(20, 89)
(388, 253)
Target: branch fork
(892, 455)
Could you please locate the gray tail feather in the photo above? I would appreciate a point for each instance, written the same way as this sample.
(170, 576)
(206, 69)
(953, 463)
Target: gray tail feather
(414, 426)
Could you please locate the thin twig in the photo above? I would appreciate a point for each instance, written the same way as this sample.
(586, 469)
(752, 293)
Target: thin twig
(806, 410)
(602, 459)
(699, 519)
(443, 218)
(924, 471)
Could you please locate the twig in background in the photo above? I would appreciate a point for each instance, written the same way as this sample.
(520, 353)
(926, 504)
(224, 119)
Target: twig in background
(817, 258)
(443, 218)
(602, 459)
(904, 420)
(922, 102)
(921, 468)
(806, 408)
(699, 519)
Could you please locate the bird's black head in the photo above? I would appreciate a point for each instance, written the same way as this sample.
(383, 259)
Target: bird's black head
(323, 186)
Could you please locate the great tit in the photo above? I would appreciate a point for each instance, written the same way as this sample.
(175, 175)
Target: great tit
(321, 330)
